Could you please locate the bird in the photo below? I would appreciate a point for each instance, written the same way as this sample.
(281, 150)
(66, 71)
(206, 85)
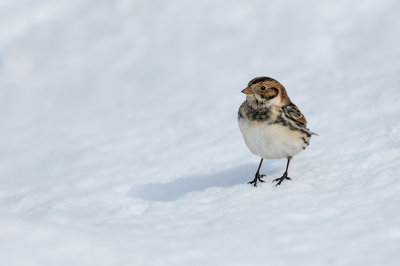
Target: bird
(272, 126)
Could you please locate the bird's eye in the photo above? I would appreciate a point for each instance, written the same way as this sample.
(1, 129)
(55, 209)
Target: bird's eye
(263, 88)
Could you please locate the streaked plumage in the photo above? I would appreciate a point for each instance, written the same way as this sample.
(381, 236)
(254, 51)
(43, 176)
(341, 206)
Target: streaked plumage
(272, 126)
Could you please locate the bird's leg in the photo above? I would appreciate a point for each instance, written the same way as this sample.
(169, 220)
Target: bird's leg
(285, 174)
(258, 176)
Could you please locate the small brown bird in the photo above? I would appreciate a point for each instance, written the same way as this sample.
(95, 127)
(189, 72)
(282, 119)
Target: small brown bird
(271, 125)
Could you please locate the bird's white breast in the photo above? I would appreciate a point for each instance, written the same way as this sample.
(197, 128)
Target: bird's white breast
(270, 141)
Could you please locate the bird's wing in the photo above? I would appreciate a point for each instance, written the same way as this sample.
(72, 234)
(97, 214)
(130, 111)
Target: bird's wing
(293, 113)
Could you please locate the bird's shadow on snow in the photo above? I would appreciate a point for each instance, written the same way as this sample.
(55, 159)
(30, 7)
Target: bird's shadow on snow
(180, 187)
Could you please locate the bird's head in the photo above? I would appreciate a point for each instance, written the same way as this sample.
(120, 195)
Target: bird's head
(266, 90)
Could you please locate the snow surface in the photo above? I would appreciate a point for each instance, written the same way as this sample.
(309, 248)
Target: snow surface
(119, 142)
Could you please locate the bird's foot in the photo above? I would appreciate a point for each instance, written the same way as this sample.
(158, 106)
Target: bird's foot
(279, 180)
(257, 178)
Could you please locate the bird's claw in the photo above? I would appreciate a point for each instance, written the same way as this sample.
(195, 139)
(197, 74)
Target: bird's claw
(257, 178)
(279, 180)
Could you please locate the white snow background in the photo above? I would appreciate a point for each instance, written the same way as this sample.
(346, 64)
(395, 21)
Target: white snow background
(119, 143)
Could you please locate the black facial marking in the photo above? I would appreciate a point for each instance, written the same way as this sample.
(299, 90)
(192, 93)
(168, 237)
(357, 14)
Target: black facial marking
(260, 79)
(269, 97)
(259, 102)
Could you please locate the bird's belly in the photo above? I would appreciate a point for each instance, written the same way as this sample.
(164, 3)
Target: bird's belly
(271, 141)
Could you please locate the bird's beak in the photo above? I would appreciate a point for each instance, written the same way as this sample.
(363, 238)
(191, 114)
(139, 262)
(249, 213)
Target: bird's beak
(248, 90)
